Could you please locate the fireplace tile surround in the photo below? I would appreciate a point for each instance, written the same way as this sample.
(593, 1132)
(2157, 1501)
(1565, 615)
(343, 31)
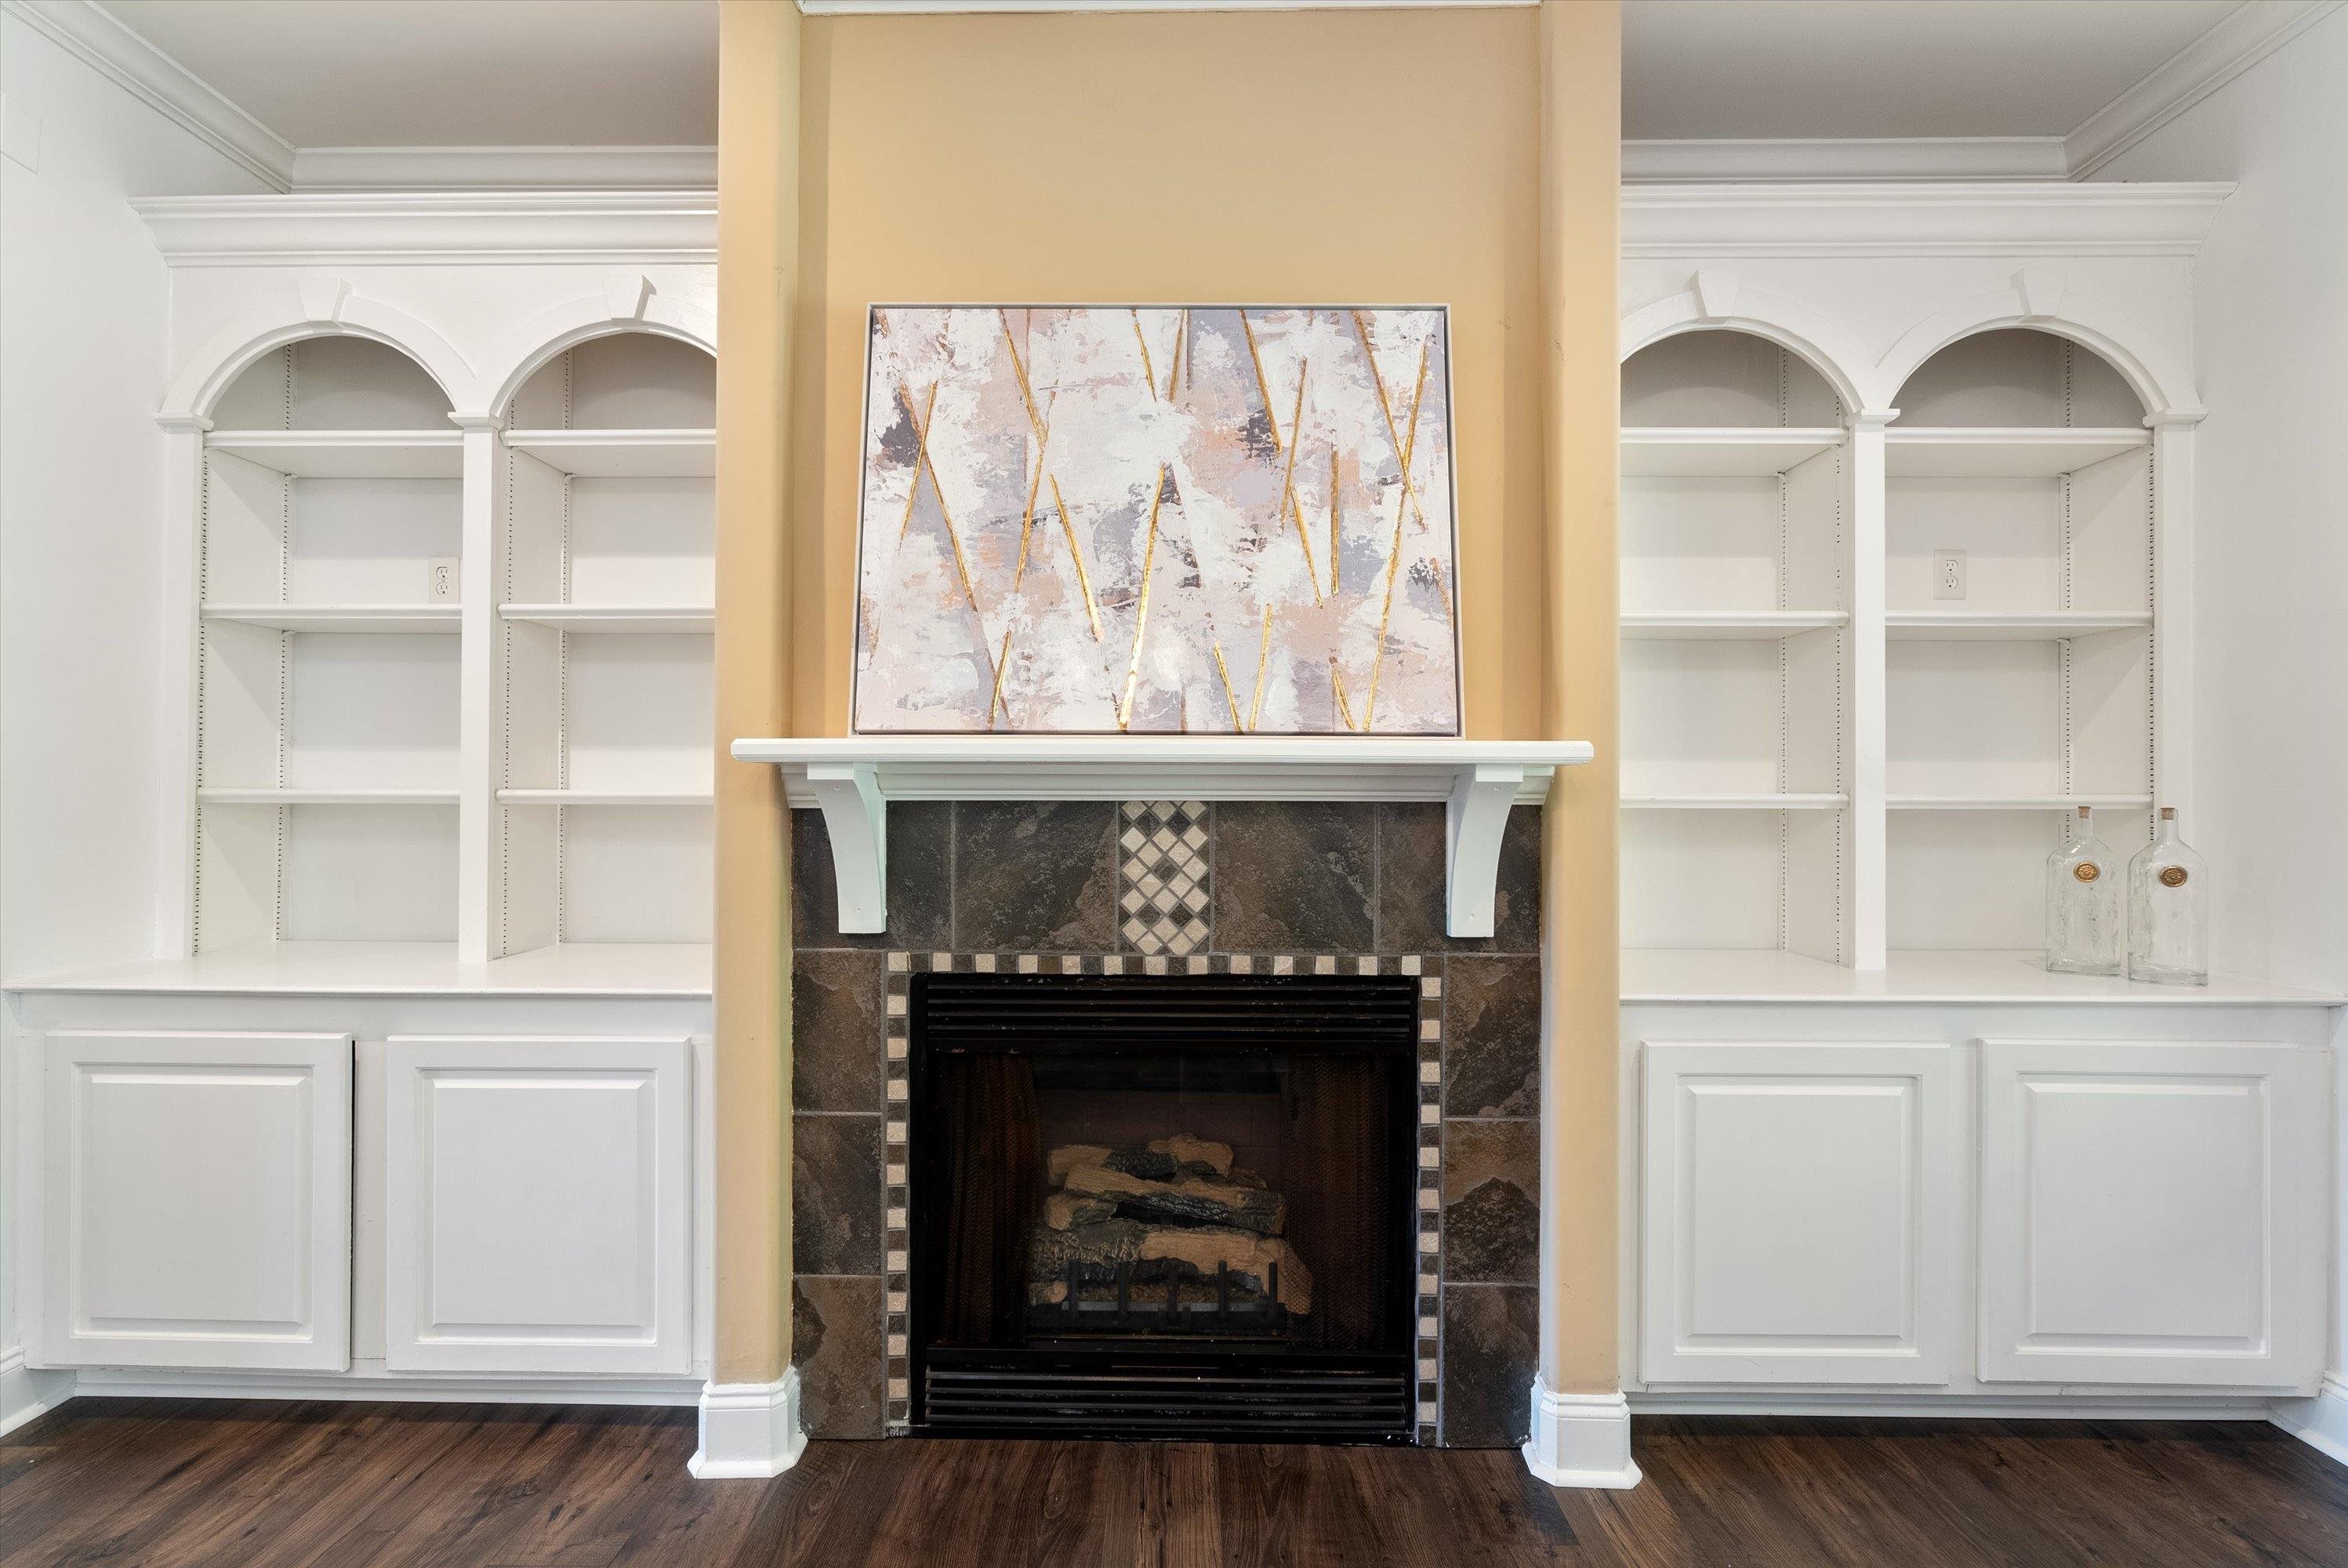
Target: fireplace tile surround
(1081, 887)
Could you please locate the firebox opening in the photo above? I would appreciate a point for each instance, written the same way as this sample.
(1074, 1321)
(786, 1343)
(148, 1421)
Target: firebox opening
(1164, 1206)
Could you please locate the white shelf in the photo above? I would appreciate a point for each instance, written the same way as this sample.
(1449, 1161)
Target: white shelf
(1664, 452)
(2002, 453)
(406, 969)
(1738, 626)
(603, 798)
(348, 454)
(621, 454)
(229, 797)
(643, 619)
(1925, 626)
(1662, 975)
(2017, 802)
(1730, 802)
(357, 618)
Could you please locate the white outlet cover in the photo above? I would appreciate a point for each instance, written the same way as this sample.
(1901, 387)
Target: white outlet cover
(441, 584)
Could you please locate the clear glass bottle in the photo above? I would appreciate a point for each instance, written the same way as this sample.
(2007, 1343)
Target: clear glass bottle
(2169, 910)
(2083, 904)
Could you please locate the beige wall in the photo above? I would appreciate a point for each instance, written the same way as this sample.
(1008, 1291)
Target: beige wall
(1317, 157)
(758, 250)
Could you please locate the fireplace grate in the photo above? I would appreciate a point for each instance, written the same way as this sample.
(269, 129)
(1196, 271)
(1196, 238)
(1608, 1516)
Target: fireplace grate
(1173, 1401)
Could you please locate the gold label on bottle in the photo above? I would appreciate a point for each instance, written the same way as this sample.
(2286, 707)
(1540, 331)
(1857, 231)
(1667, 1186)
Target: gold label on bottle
(2086, 870)
(2172, 876)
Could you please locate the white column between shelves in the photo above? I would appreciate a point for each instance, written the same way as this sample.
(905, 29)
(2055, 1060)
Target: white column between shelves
(2172, 614)
(478, 752)
(183, 543)
(1865, 733)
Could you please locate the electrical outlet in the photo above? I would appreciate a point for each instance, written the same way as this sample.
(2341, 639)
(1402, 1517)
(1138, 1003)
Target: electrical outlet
(440, 580)
(1947, 575)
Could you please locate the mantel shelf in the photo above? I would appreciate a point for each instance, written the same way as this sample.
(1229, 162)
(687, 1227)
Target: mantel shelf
(852, 780)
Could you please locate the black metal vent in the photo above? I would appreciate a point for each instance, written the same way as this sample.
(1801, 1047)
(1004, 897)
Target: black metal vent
(1172, 1401)
(1038, 1013)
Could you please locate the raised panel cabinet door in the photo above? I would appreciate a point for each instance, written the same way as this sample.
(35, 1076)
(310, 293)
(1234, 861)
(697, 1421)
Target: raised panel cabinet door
(537, 1204)
(2152, 1214)
(1801, 1220)
(195, 1201)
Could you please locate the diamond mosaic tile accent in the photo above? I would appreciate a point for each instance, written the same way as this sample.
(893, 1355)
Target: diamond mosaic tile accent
(1163, 877)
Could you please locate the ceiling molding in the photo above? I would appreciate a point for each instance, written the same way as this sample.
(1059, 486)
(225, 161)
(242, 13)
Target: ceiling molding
(346, 169)
(310, 229)
(2008, 219)
(2244, 38)
(1038, 7)
(91, 33)
(1852, 158)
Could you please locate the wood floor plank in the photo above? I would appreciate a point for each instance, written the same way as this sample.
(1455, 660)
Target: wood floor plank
(182, 1484)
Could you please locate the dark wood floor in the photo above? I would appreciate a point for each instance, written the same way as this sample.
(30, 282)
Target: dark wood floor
(150, 1483)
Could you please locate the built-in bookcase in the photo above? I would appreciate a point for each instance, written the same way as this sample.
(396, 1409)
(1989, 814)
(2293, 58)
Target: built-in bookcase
(2016, 633)
(605, 584)
(2033, 692)
(1736, 615)
(327, 671)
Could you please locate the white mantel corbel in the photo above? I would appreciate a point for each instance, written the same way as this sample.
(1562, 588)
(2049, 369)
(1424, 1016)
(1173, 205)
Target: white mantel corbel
(851, 781)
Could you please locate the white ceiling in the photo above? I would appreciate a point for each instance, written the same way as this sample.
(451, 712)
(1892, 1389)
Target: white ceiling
(459, 73)
(452, 73)
(1769, 68)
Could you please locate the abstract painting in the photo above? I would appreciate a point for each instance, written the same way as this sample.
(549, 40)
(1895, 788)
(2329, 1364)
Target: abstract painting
(1156, 520)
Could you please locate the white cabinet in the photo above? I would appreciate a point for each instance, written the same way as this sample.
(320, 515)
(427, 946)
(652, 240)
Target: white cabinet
(538, 1209)
(194, 1201)
(1801, 1220)
(2152, 1214)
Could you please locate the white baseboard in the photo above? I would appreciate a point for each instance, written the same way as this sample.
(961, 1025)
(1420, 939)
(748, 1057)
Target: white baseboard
(2321, 1422)
(749, 1431)
(2166, 1406)
(24, 1393)
(1581, 1440)
(399, 1389)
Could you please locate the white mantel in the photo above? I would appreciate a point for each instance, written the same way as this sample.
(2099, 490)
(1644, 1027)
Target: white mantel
(852, 780)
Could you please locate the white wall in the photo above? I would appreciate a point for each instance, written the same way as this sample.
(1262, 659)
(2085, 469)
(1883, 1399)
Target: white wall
(2271, 573)
(84, 334)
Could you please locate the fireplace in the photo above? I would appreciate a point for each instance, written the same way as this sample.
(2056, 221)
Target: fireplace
(1164, 1205)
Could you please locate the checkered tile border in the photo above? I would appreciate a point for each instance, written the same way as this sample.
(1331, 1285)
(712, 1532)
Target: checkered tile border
(897, 1329)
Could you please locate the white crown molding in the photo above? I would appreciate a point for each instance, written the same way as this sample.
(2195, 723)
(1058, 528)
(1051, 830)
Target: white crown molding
(343, 168)
(2246, 36)
(1039, 7)
(629, 228)
(1955, 218)
(91, 32)
(1846, 157)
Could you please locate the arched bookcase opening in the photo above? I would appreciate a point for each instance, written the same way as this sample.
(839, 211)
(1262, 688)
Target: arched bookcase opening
(604, 584)
(327, 669)
(1734, 536)
(2018, 591)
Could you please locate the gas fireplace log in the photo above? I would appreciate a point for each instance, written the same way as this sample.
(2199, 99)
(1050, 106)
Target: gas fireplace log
(1067, 1157)
(1197, 1202)
(1156, 1253)
(1187, 1149)
(1062, 1210)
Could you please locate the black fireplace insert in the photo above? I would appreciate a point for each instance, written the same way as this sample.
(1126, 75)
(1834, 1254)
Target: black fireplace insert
(1164, 1206)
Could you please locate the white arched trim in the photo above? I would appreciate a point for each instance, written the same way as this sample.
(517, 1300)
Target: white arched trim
(225, 356)
(1784, 321)
(628, 305)
(2159, 379)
